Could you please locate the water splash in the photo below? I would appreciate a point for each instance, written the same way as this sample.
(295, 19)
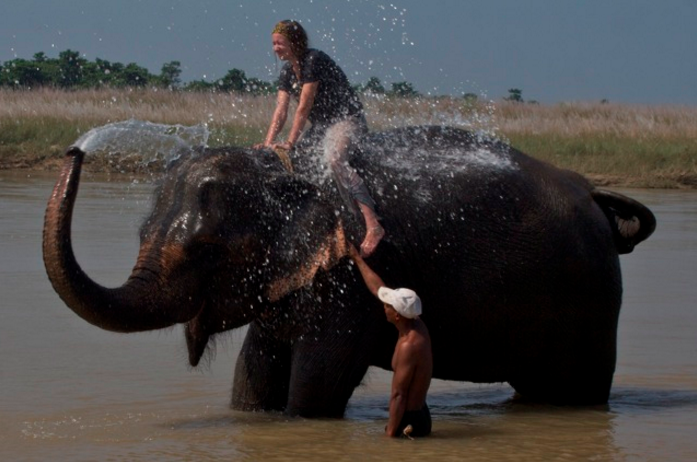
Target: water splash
(477, 116)
(142, 142)
(365, 37)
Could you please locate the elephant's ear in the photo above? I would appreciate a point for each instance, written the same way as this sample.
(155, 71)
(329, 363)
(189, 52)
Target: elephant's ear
(310, 237)
(631, 221)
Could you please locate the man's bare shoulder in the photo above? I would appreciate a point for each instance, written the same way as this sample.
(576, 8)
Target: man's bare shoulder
(416, 342)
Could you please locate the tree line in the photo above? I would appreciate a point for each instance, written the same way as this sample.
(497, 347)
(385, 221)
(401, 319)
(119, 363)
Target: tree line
(72, 71)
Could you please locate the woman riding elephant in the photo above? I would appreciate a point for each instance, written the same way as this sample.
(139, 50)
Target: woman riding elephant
(328, 102)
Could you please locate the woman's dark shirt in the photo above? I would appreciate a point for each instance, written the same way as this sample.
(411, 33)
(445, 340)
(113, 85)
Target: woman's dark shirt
(335, 99)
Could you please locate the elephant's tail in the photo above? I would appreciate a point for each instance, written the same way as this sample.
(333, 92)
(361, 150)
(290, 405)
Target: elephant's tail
(631, 221)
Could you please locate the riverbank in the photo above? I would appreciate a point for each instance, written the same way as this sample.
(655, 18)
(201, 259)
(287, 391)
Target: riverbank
(612, 144)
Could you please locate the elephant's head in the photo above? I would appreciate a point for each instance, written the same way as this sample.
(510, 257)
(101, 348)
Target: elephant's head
(230, 234)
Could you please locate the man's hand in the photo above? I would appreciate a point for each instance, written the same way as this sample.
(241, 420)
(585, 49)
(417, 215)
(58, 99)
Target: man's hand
(353, 252)
(370, 277)
(407, 431)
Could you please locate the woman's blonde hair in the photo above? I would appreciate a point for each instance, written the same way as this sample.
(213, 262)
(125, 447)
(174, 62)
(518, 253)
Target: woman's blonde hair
(296, 35)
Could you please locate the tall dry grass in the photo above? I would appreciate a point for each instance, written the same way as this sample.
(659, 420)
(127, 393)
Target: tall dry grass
(625, 144)
(62, 116)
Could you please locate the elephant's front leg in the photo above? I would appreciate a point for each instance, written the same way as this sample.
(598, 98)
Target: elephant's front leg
(262, 372)
(328, 365)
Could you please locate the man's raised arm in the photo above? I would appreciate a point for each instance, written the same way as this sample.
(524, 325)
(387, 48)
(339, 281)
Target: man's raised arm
(372, 280)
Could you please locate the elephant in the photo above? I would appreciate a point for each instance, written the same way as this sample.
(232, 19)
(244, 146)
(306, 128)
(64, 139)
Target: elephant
(516, 262)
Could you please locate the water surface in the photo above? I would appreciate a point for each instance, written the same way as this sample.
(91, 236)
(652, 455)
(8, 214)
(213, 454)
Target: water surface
(70, 391)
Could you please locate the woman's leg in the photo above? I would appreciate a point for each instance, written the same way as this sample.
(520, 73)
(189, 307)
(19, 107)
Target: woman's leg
(374, 232)
(351, 186)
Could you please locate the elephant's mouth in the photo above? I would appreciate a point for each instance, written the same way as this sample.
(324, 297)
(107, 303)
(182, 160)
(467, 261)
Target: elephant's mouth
(222, 311)
(196, 337)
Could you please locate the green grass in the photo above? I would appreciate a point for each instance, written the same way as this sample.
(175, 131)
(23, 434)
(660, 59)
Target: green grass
(651, 162)
(640, 146)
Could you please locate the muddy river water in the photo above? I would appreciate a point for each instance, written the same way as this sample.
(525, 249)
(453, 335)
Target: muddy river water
(70, 391)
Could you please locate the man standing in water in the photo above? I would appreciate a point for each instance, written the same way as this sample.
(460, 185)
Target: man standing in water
(412, 361)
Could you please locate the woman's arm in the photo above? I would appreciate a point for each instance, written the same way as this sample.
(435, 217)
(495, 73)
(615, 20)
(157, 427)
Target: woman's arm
(279, 117)
(307, 99)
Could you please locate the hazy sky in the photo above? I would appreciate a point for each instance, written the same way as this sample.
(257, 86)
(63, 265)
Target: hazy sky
(630, 51)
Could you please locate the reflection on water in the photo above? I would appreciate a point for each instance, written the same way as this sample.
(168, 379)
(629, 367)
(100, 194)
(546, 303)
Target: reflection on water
(71, 391)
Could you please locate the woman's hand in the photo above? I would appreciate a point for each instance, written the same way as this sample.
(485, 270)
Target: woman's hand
(287, 146)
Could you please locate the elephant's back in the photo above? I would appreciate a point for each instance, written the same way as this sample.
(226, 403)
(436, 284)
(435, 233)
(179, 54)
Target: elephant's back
(490, 236)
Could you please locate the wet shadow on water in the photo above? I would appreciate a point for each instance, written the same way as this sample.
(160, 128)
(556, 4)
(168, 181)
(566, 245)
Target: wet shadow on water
(502, 400)
(460, 414)
(651, 399)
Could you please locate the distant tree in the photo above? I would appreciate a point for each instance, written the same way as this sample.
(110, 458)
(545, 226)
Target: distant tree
(21, 73)
(373, 87)
(470, 98)
(256, 86)
(515, 95)
(170, 75)
(134, 75)
(70, 66)
(49, 68)
(103, 73)
(403, 90)
(200, 85)
(234, 81)
(71, 70)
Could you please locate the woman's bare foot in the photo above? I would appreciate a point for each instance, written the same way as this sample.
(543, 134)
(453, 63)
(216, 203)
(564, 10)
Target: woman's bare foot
(372, 238)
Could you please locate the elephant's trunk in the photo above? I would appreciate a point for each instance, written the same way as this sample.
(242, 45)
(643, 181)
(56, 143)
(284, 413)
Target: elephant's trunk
(142, 303)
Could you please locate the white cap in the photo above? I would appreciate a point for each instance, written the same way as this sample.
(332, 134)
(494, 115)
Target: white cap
(404, 301)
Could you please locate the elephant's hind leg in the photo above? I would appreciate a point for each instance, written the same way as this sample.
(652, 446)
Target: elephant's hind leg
(262, 373)
(579, 380)
(576, 392)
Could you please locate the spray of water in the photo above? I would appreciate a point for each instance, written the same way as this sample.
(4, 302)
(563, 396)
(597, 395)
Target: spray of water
(146, 143)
